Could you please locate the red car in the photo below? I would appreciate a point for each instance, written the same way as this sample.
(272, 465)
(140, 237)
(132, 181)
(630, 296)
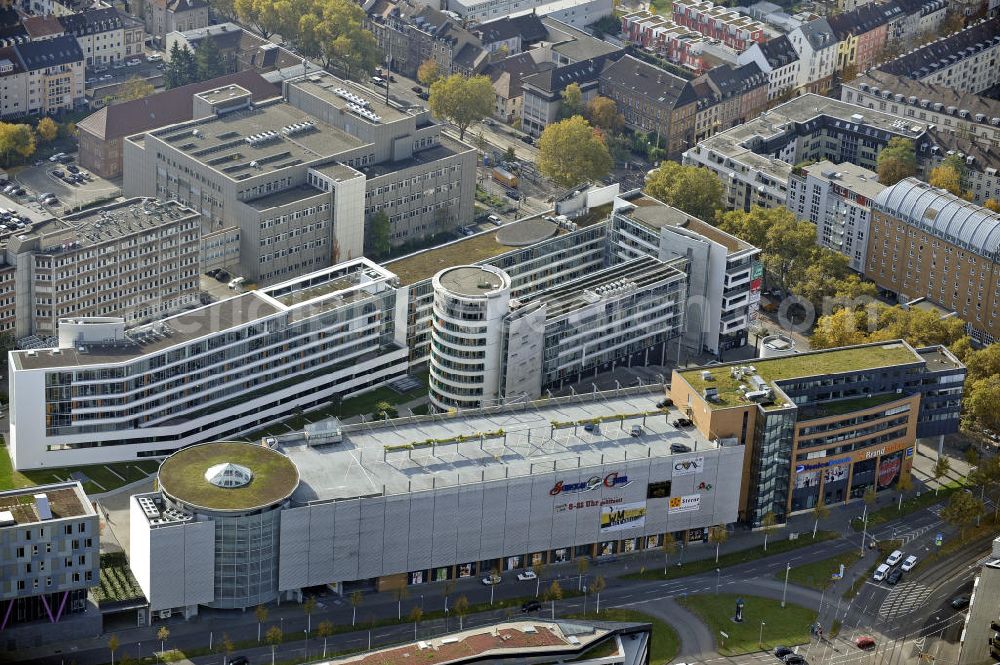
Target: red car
(865, 642)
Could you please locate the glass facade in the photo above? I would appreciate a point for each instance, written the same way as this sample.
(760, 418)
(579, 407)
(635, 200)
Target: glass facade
(246, 559)
(770, 469)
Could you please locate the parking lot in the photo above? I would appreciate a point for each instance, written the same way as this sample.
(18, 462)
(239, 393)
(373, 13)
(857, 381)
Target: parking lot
(41, 178)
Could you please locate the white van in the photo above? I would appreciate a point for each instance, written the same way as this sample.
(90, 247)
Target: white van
(894, 558)
(881, 572)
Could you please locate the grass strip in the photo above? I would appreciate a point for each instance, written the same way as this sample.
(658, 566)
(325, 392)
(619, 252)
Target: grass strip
(763, 619)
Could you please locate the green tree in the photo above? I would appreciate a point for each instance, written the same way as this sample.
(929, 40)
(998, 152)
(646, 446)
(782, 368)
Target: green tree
(879, 323)
(462, 100)
(903, 486)
(597, 586)
(356, 598)
(788, 245)
(259, 14)
(134, 88)
(940, 470)
(962, 510)
(379, 234)
(428, 72)
(981, 400)
(552, 594)
(461, 608)
(820, 513)
(324, 630)
(208, 60)
(669, 547)
(162, 634)
(332, 30)
(693, 189)
(224, 8)
(17, 142)
(182, 68)
(47, 129)
(983, 363)
(992, 204)
(718, 535)
(582, 566)
(509, 156)
(260, 612)
(572, 101)
(308, 607)
(571, 152)
(113, 644)
(603, 112)
(947, 178)
(384, 410)
(400, 593)
(228, 646)
(416, 614)
(769, 523)
(274, 637)
(897, 160)
(869, 496)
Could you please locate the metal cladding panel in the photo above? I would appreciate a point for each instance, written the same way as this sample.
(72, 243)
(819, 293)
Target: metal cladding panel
(320, 544)
(294, 546)
(346, 529)
(421, 536)
(470, 525)
(515, 531)
(199, 564)
(397, 532)
(494, 521)
(371, 539)
(539, 516)
(445, 535)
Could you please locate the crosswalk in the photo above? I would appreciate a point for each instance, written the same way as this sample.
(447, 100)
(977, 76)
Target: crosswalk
(905, 536)
(903, 599)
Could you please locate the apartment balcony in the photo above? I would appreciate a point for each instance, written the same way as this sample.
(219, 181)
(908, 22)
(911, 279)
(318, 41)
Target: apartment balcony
(740, 277)
(733, 322)
(736, 300)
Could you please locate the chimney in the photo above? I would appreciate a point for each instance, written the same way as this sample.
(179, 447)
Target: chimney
(42, 504)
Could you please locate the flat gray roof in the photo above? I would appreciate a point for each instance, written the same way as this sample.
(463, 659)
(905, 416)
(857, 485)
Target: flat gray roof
(323, 85)
(471, 280)
(856, 178)
(366, 463)
(657, 214)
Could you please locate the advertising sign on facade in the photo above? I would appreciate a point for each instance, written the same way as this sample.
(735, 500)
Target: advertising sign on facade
(624, 516)
(683, 504)
(757, 271)
(888, 470)
(836, 473)
(689, 466)
(612, 480)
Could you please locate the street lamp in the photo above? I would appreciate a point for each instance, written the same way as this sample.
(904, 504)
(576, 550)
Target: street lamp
(718, 574)
(864, 530)
(760, 638)
(784, 590)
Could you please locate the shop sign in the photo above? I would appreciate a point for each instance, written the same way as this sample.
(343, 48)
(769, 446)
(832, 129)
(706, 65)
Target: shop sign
(588, 503)
(887, 471)
(613, 480)
(683, 504)
(687, 467)
(874, 453)
(757, 271)
(624, 516)
(705, 487)
(819, 465)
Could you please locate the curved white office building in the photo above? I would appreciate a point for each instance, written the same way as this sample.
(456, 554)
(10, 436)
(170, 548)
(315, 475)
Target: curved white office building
(470, 303)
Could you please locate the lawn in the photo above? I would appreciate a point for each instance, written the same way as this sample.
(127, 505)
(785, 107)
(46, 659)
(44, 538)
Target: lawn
(818, 574)
(666, 642)
(102, 477)
(786, 626)
(117, 582)
(775, 546)
(911, 505)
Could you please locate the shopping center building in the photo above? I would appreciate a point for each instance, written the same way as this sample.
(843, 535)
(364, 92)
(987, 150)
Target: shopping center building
(427, 498)
(826, 425)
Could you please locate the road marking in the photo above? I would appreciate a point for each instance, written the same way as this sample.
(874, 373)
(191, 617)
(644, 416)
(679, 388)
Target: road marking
(903, 599)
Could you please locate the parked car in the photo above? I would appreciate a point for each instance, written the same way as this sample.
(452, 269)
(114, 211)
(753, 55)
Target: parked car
(154, 57)
(530, 606)
(239, 660)
(794, 659)
(491, 580)
(55, 157)
(781, 652)
(527, 139)
(636, 430)
(679, 448)
(960, 602)
(66, 159)
(664, 403)
(682, 422)
(57, 173)
(495, 220)
(590, 427)
(526, 575)
(894, 577)
(865, 642)
(881, 572)
(379, 81)
(513, 195)
(909, 563)
(222, 276)
(73, 168)
(894, 558)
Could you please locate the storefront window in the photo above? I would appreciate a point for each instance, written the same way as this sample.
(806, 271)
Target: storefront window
(607, 548)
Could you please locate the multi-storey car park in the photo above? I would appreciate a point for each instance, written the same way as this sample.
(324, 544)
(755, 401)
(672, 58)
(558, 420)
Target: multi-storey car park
(49, 560)
(425, 499)
(825, 425)
(299, 175)
(107, 394)
(754, 160)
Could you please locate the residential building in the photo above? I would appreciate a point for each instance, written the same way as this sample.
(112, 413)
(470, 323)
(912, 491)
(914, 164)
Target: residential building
(653, 101)
(862, 34)
(239, 49)
(626, 493)
(567, 45)
(920, 18)
(507, 76)
(981, 632)
(837, 198)
(13, 84)
(49, 560)
(165, 16)
(817, 46)
(724, 273)
(578, 13)
(511, 35)
(981, 171)
(966, 60)
(106, 394)
(730, 27)
(778, 59)
(53, 71)
(964, 115)
(102, 133)
(754, 160)
(300, 175)
(136, 259)
(823, 426)
(678, 44)
(926, 242)
(105, 35)
(728, 96)
(542, 91)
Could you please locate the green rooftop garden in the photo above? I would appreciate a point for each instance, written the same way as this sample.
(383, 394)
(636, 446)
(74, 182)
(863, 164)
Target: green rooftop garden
(426, 264)
(182, 476)
(850, 405)
(833, 361)
(117, 584)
